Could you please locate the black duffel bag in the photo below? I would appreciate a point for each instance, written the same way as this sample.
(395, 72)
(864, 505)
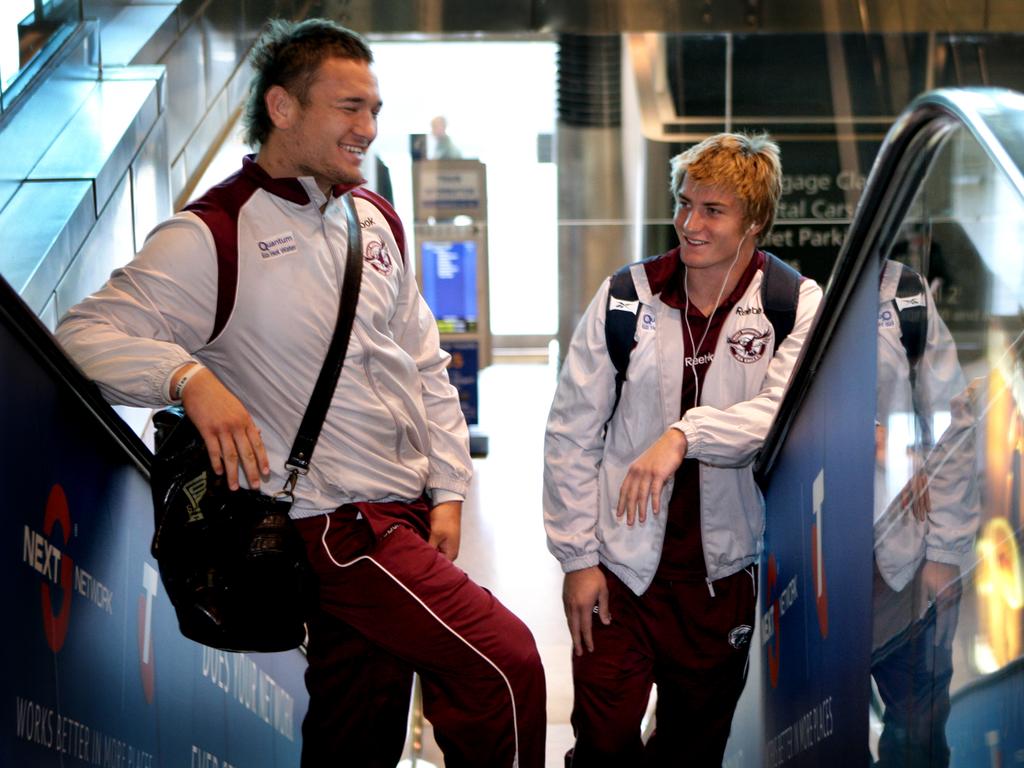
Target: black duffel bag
(232, 562)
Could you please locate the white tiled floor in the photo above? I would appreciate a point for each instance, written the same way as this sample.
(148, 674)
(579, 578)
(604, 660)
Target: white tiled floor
(503, 545)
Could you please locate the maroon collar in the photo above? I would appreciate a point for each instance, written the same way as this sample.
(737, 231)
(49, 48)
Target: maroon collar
(673, 292)
(287, 187)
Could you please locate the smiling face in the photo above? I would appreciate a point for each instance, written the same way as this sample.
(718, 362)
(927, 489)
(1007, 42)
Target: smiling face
(326, 135)
(712, 226)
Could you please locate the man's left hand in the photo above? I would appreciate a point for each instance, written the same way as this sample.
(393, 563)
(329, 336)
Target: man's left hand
(937, 585)
(915, 497)
(648, 475)
(446, 528)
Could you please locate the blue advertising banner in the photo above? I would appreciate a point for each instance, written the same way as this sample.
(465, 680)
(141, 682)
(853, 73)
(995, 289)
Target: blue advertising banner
(96, 673)
(816, 571)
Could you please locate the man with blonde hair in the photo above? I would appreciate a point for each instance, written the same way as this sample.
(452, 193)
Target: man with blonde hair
(650, 503)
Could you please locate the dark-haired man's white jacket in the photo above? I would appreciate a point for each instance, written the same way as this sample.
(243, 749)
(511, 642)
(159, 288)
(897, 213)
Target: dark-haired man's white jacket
(394, 427)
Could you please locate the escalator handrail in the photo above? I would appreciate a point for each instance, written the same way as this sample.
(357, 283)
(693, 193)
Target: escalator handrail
(26, 326)
(902, 163)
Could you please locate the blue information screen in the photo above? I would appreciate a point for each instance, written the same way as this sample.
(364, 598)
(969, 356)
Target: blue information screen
(449, 283)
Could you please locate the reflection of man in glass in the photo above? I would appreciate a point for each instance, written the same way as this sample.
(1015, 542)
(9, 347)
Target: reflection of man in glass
(926, 516)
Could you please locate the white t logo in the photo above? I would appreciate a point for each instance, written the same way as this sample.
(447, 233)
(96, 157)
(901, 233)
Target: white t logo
(150, 583)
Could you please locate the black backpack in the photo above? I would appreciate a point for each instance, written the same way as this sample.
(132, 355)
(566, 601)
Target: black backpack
(780, 292)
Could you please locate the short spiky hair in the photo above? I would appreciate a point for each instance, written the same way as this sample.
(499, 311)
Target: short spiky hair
(289, 54)
(747, 165)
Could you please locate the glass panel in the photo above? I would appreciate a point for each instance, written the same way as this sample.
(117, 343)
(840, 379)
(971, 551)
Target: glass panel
(11, 13)
(983, 59)
(469, 97)
(29, 31)
(879, 73)
(696, 74)
(948, 592)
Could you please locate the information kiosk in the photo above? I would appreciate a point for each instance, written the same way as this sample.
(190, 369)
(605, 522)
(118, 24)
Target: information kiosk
(450, 201)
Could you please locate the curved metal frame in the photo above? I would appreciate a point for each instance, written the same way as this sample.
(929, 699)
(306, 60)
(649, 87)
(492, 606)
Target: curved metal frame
(906, 155)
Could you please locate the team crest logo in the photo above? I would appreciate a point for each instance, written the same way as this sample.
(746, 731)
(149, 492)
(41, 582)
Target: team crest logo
(748, 344)
(740, 635)
(379, 258)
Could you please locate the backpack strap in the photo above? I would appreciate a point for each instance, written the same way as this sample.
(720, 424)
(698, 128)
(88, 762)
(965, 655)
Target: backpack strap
(620, 320)
(780, 295)
(911, 304)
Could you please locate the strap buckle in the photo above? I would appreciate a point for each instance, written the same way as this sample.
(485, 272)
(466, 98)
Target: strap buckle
(288, 491)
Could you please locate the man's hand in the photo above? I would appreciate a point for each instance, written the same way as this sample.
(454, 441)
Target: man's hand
(935, 578)
(226, 427)
(581, 591)
(446, 528)
(914, 496)
(648, 475)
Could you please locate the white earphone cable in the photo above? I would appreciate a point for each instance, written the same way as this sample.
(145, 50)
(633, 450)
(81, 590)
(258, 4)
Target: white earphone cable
(695, 350)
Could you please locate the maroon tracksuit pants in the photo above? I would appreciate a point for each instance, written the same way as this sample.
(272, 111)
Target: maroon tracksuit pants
(692, 644)
(390, 604)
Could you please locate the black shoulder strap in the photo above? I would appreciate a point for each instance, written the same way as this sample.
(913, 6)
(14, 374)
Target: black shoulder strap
(620, 324)
(620, 319)
(327, 381)
(780, 295)
(911, 306)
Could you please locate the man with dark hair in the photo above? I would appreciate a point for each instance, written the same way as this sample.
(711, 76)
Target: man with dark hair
(650, 503)
(229, 309)
(289, 55)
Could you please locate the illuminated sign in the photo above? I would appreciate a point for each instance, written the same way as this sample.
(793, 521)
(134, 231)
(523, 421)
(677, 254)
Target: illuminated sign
(449, 283)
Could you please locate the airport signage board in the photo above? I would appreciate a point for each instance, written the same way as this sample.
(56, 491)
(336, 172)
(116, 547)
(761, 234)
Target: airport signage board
(821, 187)
(444, 189)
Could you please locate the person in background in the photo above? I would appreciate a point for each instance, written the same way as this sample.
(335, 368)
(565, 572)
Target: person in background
(228, 310)
(650, 504)
(444, 147)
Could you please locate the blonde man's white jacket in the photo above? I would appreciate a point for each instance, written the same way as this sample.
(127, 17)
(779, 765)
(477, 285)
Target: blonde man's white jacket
(584, 469)
(902, 541)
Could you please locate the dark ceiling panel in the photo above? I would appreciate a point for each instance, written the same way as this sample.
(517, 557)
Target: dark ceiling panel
(613, 16)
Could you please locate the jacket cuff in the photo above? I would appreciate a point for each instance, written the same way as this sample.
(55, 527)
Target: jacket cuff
(579, 563)
(440, 483)
(690, 433)
(163, 373)
(945, 556)
(441, 495)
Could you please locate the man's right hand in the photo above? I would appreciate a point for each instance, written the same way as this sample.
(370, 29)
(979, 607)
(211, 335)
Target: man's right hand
(581, 592)
(226, 427)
